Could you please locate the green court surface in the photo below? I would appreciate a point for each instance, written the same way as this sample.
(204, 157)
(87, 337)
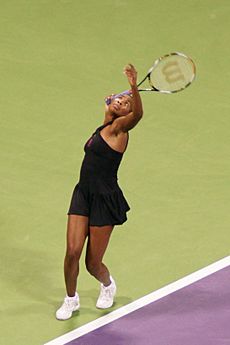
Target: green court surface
(58, 59)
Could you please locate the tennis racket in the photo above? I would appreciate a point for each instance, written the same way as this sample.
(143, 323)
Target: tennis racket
(170, 73)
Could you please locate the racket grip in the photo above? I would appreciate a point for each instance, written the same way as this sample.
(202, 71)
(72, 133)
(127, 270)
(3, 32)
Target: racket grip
(109, 99)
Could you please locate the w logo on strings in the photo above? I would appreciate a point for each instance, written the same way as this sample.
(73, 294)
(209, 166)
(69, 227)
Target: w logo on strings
(172, 72)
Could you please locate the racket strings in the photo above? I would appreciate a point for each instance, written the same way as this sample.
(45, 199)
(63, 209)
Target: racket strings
(172, 73)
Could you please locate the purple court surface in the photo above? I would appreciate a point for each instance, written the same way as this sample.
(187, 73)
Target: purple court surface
(198, 314)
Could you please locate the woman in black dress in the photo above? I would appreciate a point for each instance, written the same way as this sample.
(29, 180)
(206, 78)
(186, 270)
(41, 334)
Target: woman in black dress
(98, 203)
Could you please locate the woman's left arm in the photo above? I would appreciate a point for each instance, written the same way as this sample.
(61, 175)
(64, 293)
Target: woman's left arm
(127, 122)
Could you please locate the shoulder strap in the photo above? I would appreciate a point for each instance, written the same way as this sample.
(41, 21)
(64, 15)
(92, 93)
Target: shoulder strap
(103, 126)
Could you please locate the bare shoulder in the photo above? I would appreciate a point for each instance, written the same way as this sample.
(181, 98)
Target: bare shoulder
(116, 140)
(113, 129)
(125, 123)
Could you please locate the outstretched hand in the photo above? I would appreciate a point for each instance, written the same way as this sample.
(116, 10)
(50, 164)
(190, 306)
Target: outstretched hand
(131, 74)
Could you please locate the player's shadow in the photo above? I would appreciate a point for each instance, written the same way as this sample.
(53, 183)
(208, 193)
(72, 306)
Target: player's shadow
(27, 274)
(30, 275)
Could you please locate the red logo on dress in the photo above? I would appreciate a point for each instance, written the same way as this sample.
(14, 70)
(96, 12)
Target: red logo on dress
(90, 142)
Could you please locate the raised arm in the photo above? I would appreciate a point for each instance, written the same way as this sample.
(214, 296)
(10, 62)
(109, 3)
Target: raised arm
(126, 119)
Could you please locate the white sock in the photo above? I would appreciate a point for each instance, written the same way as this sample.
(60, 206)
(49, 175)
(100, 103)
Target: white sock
(72, 297)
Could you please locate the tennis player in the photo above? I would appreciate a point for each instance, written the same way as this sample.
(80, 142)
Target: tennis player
(98, 203)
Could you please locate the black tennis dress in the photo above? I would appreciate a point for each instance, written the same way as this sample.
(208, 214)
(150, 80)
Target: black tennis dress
(97, 194)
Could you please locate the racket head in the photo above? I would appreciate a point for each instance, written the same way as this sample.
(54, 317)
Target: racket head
(171, 73)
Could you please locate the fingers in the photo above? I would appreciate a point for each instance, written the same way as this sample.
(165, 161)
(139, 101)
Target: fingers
(129, 68)
(131, 74)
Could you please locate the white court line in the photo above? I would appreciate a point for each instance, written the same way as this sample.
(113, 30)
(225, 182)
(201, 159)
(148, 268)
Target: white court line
(141, 302)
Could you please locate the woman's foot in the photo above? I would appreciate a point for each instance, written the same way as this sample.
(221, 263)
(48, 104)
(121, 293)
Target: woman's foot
(69, 305)
(106, 297)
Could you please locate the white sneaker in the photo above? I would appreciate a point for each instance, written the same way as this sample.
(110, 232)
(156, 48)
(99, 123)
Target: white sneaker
(107, 293)
(69, 305)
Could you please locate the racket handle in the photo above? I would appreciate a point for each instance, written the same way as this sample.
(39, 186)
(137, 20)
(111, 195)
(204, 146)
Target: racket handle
(109, 99)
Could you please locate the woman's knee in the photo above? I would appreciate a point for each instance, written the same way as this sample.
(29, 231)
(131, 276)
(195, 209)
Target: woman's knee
(73, 254)
(92, 266)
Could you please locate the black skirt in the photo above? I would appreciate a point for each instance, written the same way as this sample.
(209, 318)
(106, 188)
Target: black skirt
(101, 201)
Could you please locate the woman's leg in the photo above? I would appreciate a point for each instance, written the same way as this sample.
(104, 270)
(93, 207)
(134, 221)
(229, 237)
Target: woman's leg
(98, 240)
(77, 231)
(96, 247)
